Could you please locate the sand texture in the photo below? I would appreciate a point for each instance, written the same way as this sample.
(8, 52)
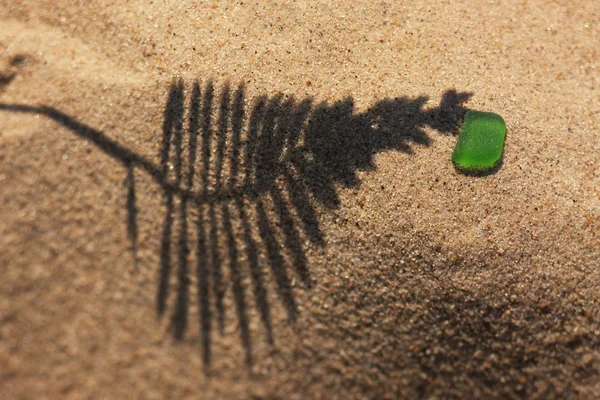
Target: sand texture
(255, 200)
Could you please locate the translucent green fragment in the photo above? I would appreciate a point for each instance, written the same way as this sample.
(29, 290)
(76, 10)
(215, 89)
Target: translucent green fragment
(480, 143)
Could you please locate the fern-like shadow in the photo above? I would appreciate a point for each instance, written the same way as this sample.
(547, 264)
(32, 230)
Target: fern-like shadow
(242, 184)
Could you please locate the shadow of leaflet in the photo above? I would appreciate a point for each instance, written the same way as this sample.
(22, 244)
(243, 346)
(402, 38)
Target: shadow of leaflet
(247, 179)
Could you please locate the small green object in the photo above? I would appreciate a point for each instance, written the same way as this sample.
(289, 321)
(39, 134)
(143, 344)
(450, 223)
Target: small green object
(480, 143)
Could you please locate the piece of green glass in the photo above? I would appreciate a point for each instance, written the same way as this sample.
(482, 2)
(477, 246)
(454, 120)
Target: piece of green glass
(480, 143)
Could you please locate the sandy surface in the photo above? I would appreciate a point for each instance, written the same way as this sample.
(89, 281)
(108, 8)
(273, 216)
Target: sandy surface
(256, 201)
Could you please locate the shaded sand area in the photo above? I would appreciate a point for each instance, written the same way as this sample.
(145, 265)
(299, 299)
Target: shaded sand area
(256, 201)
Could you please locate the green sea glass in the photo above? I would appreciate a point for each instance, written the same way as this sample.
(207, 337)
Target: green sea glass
(480, 142)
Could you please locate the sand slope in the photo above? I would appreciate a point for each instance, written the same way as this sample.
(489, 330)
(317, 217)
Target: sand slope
(257, 201)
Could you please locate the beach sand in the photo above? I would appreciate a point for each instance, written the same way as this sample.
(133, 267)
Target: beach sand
(255, 200)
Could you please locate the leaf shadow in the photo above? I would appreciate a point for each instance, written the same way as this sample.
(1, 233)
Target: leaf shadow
(243, 183)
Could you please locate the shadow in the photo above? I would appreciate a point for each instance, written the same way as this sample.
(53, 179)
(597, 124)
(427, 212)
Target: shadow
(132, 230)
(6, 78)
(491, 171)
(242, 187)
(10, 73)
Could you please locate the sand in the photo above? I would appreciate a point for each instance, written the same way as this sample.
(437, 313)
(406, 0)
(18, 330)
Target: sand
(255, 200)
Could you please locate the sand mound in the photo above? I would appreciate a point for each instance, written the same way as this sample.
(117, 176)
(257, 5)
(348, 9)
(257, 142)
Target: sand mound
(257, 201)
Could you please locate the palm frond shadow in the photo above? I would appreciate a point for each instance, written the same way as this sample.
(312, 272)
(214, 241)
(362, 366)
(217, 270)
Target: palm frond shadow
(242, 187)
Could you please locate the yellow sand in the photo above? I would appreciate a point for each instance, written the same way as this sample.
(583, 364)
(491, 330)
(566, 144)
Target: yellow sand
(322, 245)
